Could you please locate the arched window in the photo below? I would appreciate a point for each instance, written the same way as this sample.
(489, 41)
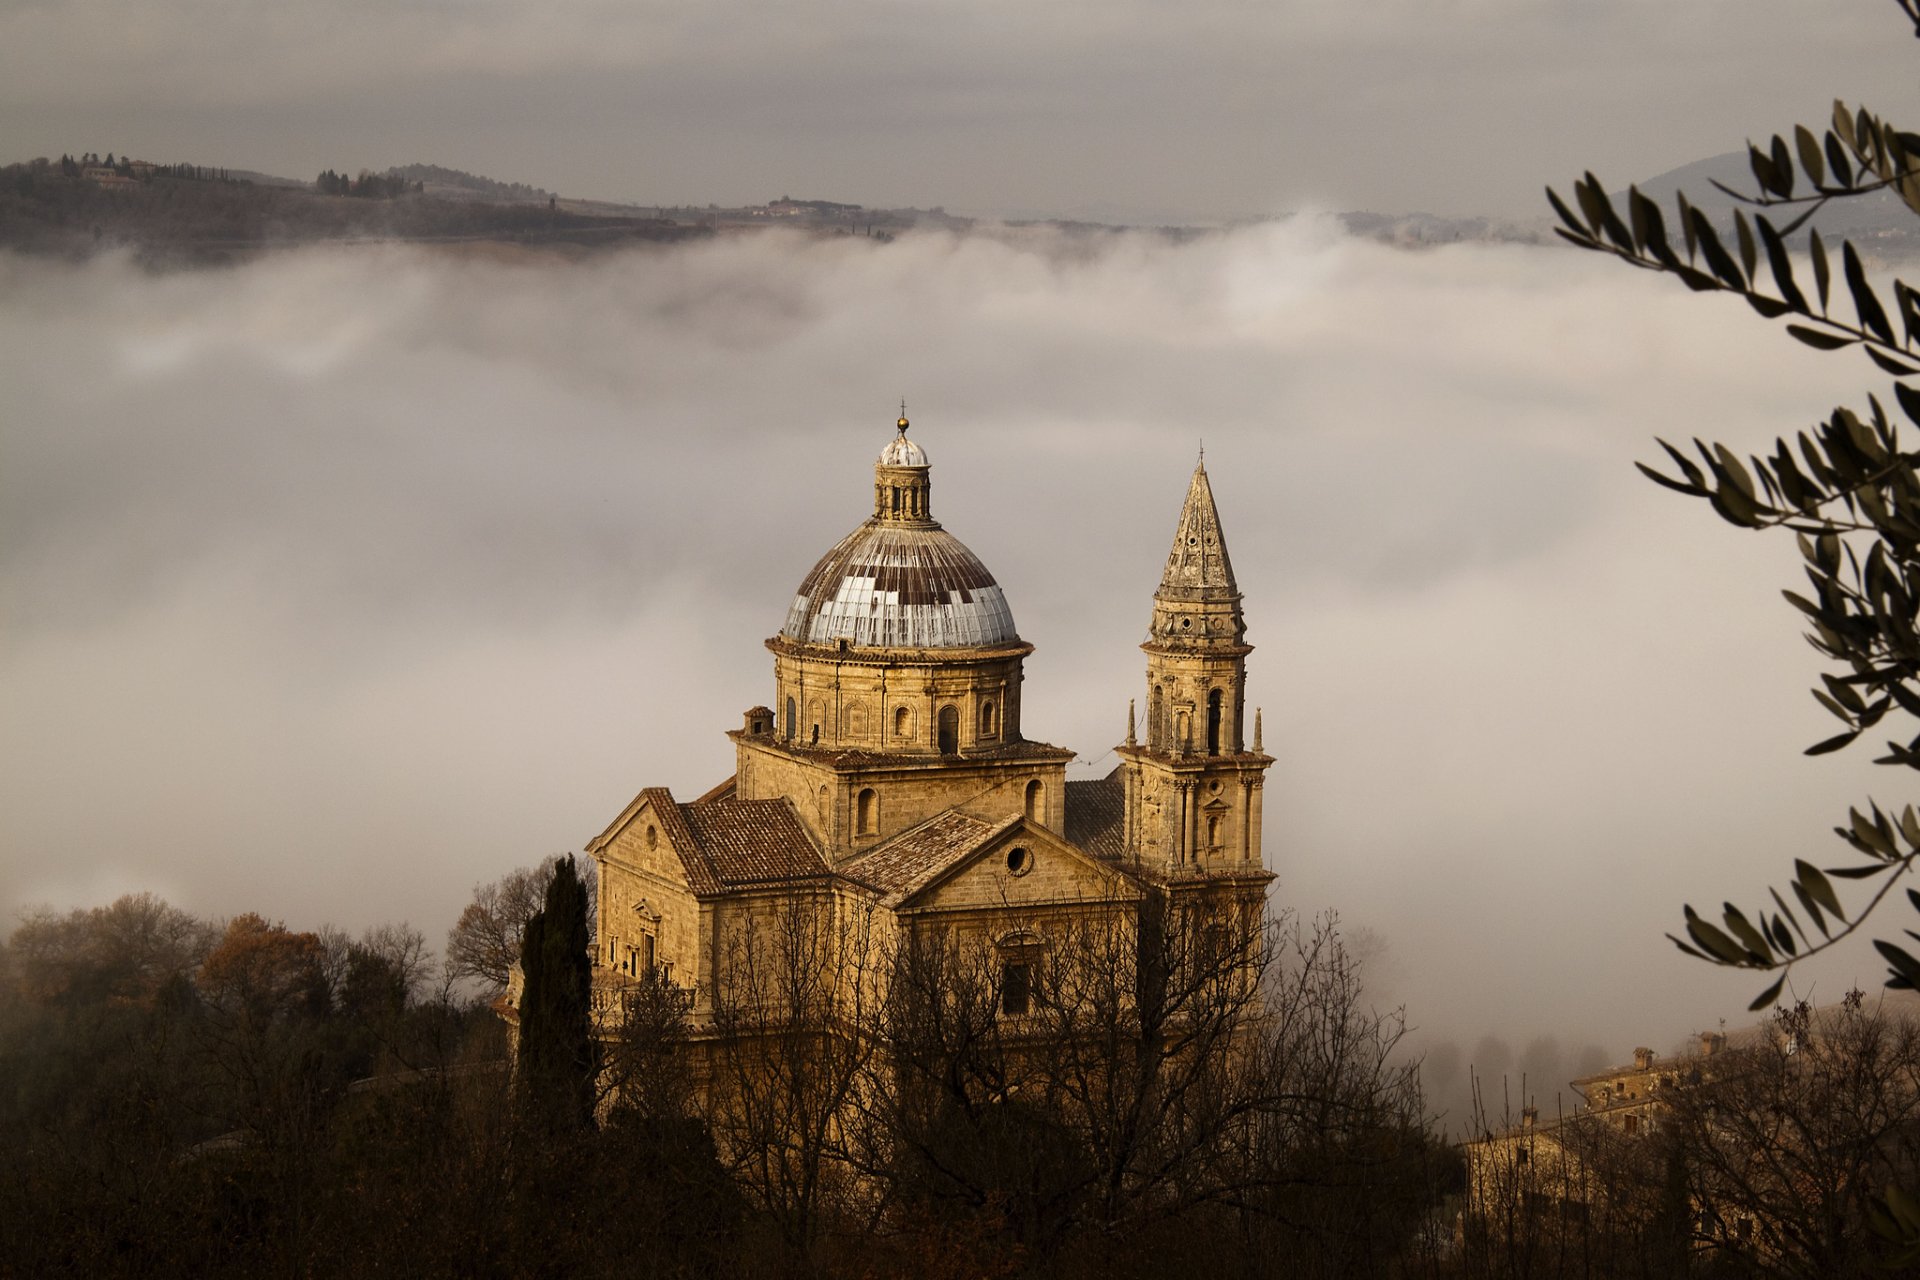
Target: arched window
(949, 730)
(1213, 831)
(902, 722)
(1034, 794)
(791, 720)
(1156, 720)
(1213, 722)
(986, 719)
(867, 812)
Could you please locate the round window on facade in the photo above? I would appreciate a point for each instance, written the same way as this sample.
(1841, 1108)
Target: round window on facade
(1019, 860)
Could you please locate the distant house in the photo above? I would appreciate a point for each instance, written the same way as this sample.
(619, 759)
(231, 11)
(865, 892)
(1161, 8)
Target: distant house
(104, 177)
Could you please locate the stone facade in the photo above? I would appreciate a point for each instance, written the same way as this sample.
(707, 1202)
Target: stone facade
(891, 778)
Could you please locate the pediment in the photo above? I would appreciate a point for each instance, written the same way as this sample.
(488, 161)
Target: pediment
(651, 835)
(1021, 864)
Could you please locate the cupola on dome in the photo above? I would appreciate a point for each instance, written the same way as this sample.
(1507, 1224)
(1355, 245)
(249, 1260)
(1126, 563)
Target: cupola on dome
(900, 580)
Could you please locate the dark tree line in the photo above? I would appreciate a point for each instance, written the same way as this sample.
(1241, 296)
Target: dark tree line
(367, 185)
(184, 1097)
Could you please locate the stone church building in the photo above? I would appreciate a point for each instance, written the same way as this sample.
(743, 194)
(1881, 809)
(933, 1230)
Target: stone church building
(892, 774)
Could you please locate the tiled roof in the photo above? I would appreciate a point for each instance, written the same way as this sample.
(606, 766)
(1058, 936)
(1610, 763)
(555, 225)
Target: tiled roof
(1021, 750)
(673, 824)
(1096, 815)
(918, 855)
(750, 842)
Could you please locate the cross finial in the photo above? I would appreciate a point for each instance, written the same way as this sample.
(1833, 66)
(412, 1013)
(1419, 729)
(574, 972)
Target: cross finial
(902, 424)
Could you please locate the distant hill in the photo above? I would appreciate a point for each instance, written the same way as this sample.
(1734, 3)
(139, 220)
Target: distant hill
(185, 215)
(455, 184)
(1881, 220)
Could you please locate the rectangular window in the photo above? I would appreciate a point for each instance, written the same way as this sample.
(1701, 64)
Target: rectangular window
(646, 953)
(1016, 989)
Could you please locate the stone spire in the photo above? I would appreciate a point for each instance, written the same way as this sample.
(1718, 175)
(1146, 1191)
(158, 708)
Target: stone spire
(1198, 569)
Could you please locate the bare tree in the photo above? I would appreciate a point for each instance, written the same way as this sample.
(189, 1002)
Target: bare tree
(793, 1003)
(1788, 1142)
(484, 944)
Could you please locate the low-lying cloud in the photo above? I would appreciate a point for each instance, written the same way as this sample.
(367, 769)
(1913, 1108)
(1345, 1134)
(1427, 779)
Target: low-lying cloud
(339, 581)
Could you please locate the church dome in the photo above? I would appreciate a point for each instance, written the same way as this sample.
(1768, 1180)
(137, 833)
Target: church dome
(900, 581)
(892, 585)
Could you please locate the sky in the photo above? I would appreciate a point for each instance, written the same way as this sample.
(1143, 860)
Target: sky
(1119, 108)
(336, 582)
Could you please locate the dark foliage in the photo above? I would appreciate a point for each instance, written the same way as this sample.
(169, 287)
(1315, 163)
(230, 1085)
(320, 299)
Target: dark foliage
(557, 1065)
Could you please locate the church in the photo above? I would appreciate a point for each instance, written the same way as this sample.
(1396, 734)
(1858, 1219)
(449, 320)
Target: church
(892, 777)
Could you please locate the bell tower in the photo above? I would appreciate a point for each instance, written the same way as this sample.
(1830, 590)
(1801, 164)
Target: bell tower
(1193, 789)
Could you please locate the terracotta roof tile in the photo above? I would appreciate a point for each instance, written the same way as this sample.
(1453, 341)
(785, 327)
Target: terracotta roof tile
(673, 824)
(919, 854)
(753, 841)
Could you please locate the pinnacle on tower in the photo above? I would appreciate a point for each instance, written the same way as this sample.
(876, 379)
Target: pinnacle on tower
(1199, 568)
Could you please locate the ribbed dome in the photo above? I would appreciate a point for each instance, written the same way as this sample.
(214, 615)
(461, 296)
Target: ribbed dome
(902, 452)
(900, 586)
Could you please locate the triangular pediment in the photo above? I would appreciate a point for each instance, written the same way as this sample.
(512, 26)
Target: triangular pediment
(1020, 864)
(651, 834)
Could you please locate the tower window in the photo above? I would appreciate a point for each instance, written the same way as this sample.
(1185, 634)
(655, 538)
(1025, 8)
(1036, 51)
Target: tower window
(986, 719)
(1035, 793)
(867, 812)
(902, 722)
(949, 730)
(1213, 722)
(792, 719)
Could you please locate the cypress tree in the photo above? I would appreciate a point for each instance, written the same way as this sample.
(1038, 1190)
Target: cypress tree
(556, 1068)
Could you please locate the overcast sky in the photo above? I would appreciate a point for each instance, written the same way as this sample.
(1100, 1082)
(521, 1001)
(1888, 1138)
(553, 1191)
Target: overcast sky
(1210, 109)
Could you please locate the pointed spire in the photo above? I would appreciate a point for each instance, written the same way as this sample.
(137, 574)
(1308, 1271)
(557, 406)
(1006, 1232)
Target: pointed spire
(1256, 730)
(1198, 568)
(1131, 739)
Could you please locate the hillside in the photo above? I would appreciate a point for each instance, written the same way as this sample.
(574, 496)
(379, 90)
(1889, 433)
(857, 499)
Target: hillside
(1879, 221)
(184, 215)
